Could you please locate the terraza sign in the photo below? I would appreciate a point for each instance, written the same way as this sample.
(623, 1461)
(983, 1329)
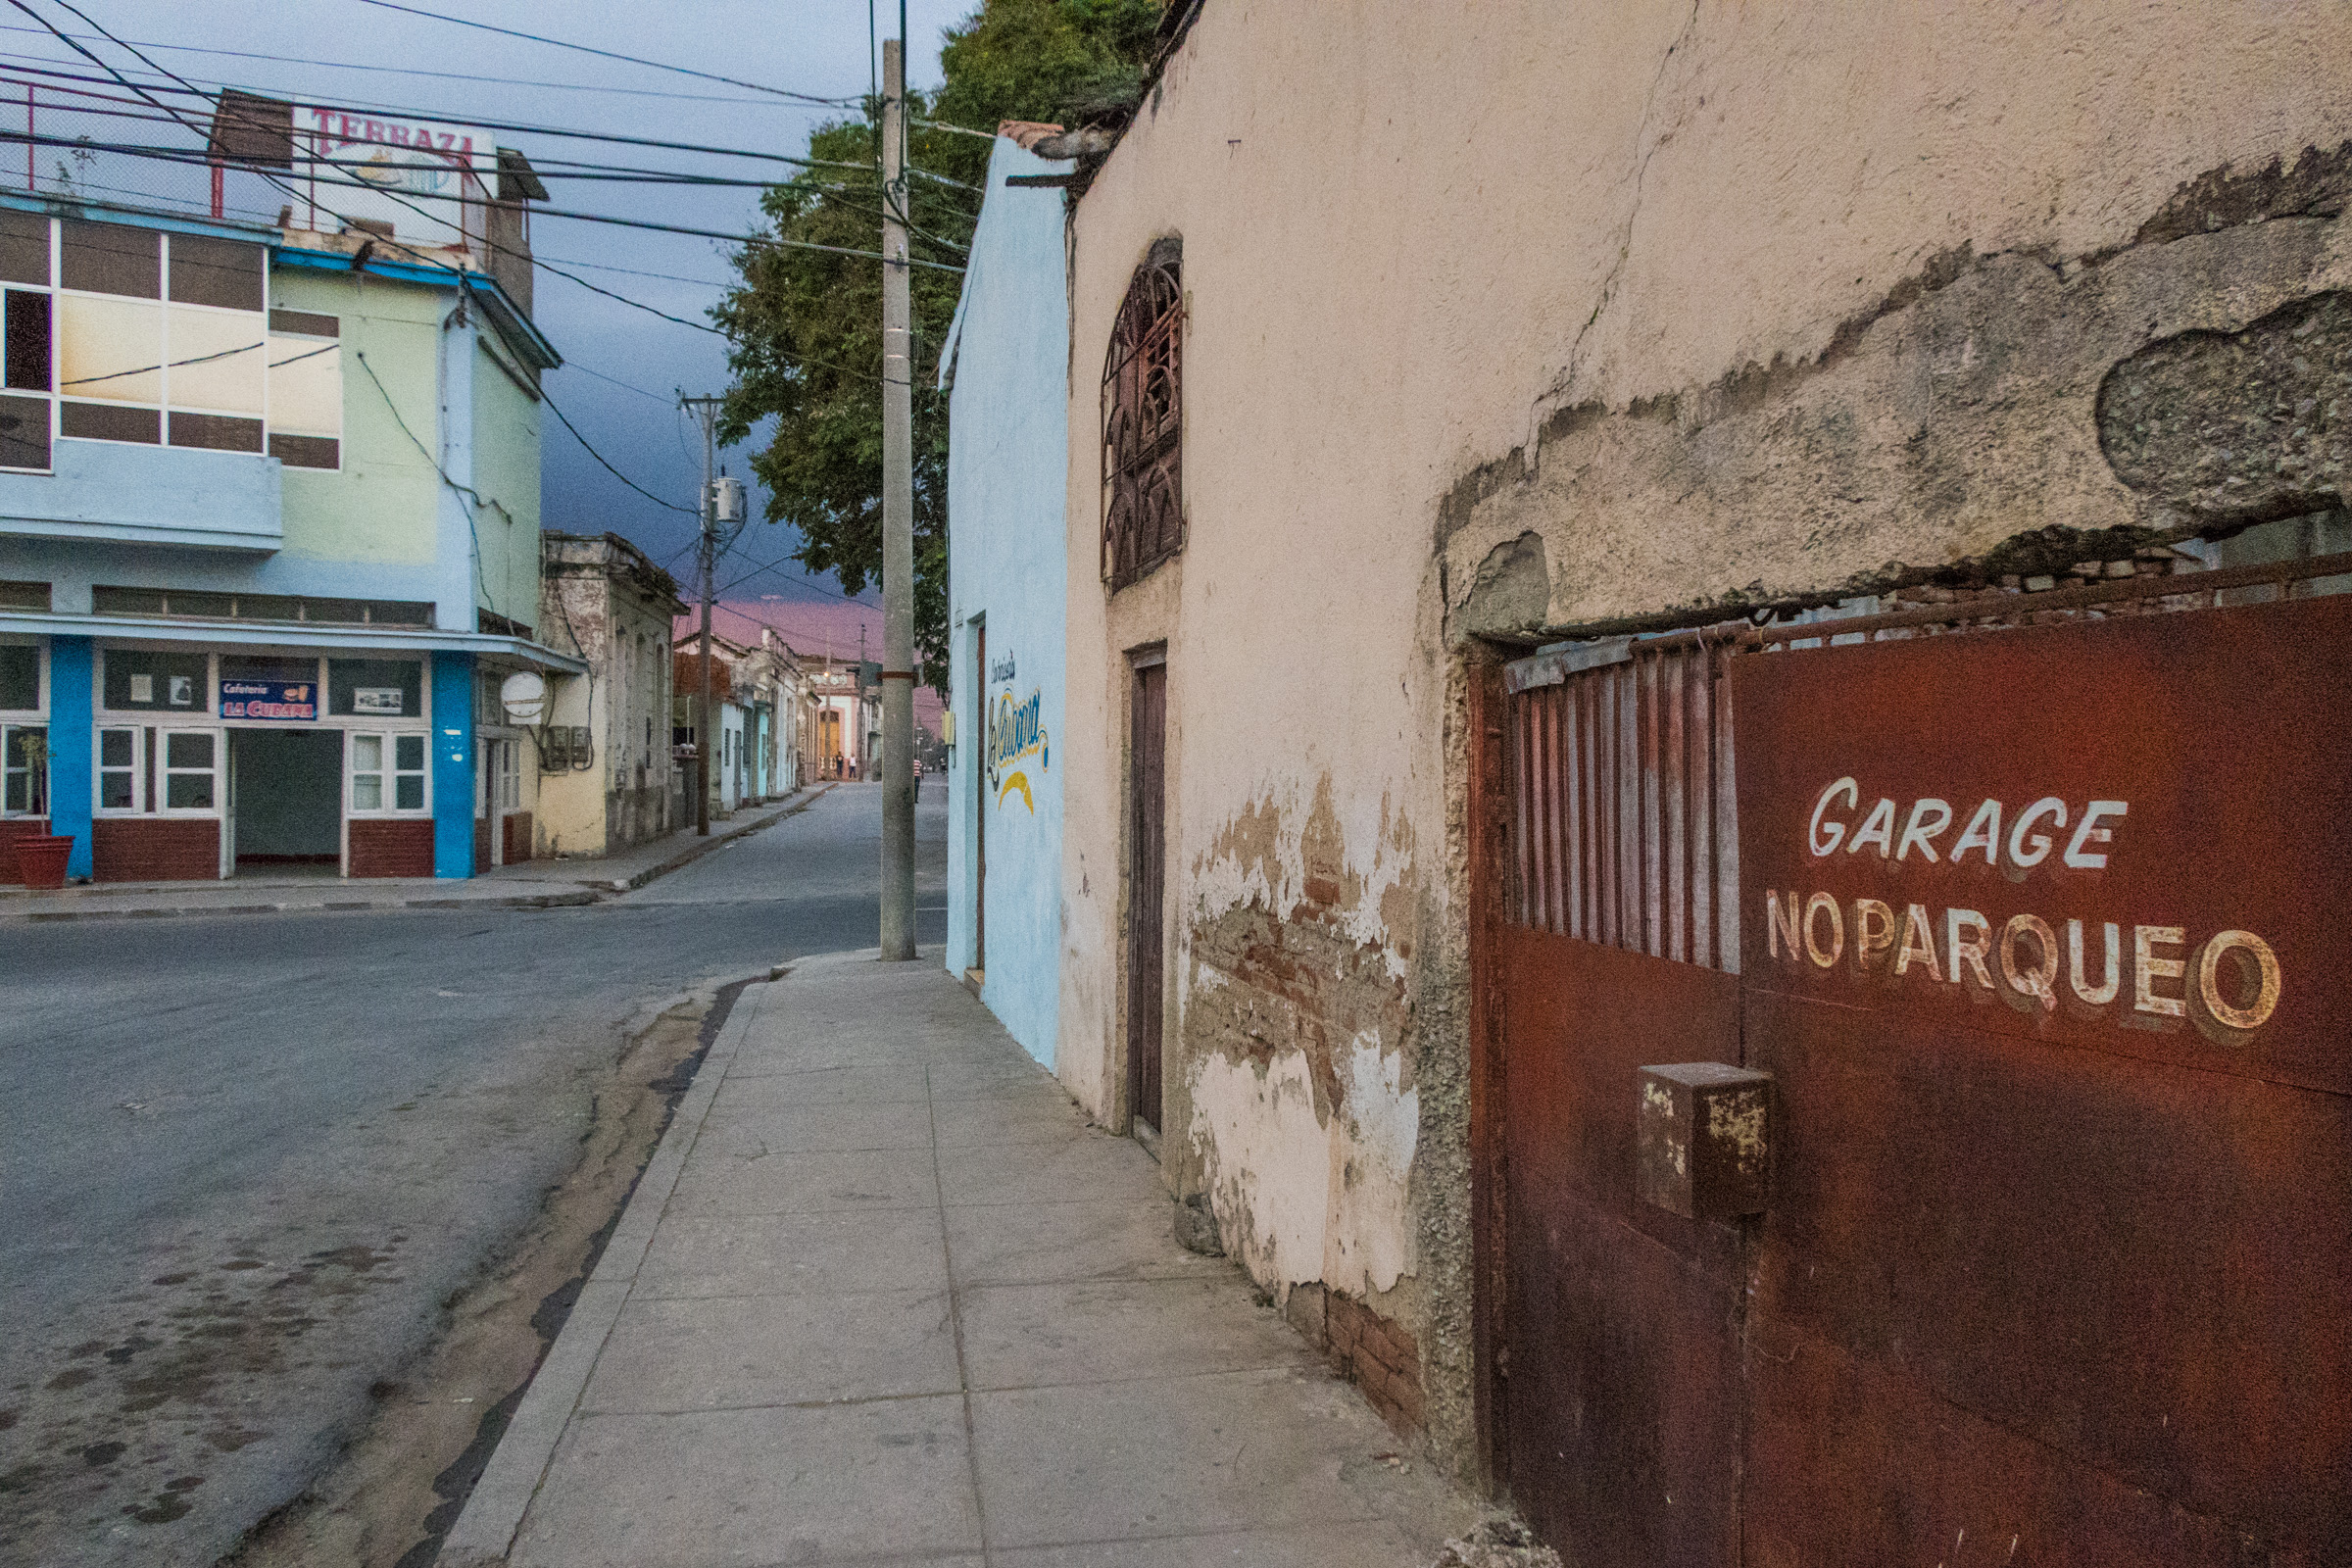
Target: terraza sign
(2227, 980)
(2131, 836)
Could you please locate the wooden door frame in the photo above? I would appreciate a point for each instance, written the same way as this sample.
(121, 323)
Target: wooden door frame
(1488, 1262)
(1150, 656)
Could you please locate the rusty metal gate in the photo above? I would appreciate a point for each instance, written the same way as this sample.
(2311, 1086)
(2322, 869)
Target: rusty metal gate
(2040, 935)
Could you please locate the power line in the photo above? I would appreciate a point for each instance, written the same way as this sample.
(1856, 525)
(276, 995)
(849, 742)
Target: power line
(186, 88)
(464, 492)
(362, 359)
(177, 156)
(608, 467)
(667, 277)
(575, 365)
(634, 60)
(798, 582)
(611, 173)
(448, 76)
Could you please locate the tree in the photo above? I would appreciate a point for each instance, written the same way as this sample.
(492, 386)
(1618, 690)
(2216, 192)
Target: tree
(804, 327)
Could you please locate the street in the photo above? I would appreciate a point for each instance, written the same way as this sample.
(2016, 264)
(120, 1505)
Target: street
(248, 1159)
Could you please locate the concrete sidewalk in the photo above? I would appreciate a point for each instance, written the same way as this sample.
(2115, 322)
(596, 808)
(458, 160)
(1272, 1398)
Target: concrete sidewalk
(883, 1295)
(528, 885)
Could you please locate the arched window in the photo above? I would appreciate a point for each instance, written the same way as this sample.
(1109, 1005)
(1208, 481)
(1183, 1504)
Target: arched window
(1143, 423)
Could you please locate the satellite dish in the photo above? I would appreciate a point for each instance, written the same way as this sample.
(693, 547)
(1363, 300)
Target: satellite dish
(524, 695)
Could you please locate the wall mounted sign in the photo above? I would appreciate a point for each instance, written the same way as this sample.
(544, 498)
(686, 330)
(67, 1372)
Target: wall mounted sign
(269, 699)
(1015, 734)
(2126, 836)
(380, 701)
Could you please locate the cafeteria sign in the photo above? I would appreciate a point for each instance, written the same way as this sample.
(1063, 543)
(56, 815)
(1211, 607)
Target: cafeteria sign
(269, 699)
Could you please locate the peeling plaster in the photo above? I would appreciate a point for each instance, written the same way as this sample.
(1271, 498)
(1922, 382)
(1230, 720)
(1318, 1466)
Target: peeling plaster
(1305, 1115)
(1301, 1196)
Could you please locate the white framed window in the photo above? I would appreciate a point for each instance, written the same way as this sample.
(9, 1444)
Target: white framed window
(388, 773)
(510, 776)
(121, 770)
(191, 769)
(24, 770)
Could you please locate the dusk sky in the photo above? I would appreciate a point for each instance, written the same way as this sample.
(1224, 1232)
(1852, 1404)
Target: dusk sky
(623, 367)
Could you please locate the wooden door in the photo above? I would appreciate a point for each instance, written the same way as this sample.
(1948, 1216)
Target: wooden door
(1146, 882)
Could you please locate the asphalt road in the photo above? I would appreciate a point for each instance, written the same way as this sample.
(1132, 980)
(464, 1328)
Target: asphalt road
(243, 1160)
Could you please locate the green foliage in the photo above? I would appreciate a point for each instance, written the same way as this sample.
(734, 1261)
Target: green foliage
(804, 328)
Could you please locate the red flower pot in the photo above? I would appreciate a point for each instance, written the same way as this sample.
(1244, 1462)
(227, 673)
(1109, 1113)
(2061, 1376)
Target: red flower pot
(41, 862)
(11, 830)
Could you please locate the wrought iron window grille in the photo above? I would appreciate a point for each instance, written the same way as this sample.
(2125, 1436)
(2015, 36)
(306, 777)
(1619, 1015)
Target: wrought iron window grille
(1143, 424)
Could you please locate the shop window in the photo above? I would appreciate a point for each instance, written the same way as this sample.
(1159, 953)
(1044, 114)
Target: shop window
(138, 678)
(191, 764)
(119, 770)
(214, 432)
(99, 422)
(110, 349)
(20, 677)
(226, 273)
(306, 389)
(24, 248)
(217, 362)
(113, 259)
(25, 322)
(376, 688)
(387, 773)
(24, 770)
(23, 433)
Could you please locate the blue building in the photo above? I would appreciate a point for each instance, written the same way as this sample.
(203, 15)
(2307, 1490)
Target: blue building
(268, 540)
(1007, 363)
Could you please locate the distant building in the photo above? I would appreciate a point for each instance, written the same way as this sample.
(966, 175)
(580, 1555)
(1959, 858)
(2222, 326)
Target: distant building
(848, 722)
(606, 762)
(269, 536)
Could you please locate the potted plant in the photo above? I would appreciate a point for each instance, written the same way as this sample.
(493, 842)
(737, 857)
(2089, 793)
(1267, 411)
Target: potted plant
(41, 861)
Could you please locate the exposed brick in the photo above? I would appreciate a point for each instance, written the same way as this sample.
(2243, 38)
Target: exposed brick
(155, 848)
(1305, 1309)
(518, 844)
(391, 846)
(1380, 1357)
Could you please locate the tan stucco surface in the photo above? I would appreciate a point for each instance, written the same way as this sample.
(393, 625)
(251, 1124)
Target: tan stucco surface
(1771, 301)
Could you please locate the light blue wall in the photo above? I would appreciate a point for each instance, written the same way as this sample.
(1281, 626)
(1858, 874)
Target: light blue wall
(1008, 430)
(119, 492)
(73, 786)
(453, 764)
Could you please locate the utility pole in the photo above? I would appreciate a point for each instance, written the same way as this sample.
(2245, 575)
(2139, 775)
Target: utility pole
(708, 409)
(897, 521)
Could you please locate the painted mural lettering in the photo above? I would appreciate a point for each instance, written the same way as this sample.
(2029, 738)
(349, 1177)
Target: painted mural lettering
(1016, 732)
(2226, 981)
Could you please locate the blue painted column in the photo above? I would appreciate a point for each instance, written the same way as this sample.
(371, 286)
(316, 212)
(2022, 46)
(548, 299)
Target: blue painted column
(73, 769)
(453, 764)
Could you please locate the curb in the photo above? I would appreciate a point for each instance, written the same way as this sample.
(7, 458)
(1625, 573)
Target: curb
(535, 900)
(592, 892)
(702, 847)
(485, 1530)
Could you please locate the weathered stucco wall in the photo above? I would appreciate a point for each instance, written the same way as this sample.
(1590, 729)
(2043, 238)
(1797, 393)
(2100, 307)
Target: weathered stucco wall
(1516, 319)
